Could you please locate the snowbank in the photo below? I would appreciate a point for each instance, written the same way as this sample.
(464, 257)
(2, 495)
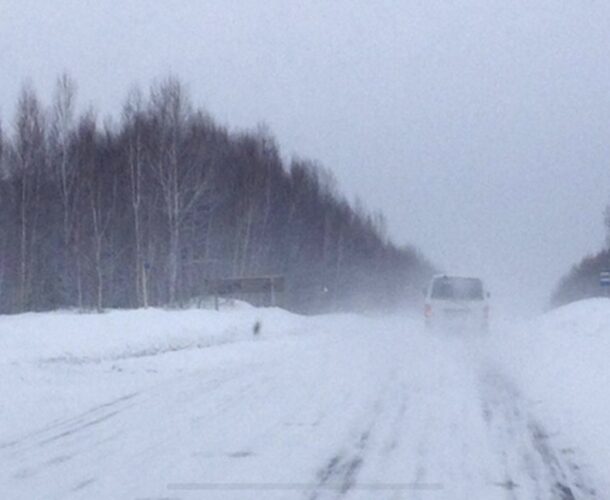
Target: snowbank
(57, 364)
(561, 361)
(92, 338)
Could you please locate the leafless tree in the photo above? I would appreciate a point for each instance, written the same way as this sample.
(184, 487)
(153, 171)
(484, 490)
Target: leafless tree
(101, 194)
(30, 155)
(65, 172)
(181, 175)
(133, 123)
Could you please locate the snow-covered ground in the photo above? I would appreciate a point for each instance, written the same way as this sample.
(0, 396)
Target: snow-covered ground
(193, 404)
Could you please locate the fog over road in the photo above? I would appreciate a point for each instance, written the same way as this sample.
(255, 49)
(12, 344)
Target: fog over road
(374, 408)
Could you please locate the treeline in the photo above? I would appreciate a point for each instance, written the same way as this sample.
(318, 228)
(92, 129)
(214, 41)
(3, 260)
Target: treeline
(140, 212)
(582, 281)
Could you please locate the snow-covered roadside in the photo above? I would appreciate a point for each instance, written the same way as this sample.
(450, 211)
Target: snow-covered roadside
(57, 364)
(245, 410)
(561, 362)
(54, 365)
(92, 338)
(319, 404)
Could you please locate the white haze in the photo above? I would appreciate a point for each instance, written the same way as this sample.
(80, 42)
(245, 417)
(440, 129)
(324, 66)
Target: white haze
(481, 128)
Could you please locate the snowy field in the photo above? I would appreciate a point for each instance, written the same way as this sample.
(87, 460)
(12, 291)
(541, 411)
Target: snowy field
(193, 405)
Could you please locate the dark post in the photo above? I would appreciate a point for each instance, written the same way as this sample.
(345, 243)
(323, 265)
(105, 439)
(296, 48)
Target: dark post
(272, 292)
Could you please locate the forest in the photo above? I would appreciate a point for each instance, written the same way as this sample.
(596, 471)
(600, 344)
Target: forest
(141, 210)
(582, 281)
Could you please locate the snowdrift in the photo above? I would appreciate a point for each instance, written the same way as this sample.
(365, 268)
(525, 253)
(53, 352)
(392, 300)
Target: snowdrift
(92, 338)
(562, 362)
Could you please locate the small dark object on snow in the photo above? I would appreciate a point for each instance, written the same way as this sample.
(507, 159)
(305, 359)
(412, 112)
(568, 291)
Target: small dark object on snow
(256, 329)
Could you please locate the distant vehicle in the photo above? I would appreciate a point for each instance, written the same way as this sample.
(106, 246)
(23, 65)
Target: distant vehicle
(456, 302)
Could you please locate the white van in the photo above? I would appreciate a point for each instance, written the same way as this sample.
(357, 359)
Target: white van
(457, 302)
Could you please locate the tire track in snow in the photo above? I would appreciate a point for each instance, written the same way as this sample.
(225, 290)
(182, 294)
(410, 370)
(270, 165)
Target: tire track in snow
(418, 410)
(533, 466)
(71, 442)
(469, 433)
(71, 423)
(355, 469)
(340, 473)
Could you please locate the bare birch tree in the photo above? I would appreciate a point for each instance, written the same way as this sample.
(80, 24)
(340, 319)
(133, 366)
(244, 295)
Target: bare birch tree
(29, 159)
(133, 123)
(65, 173)
(181, 174)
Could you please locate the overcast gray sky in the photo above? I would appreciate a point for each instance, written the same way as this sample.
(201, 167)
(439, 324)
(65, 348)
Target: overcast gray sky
(481, 128)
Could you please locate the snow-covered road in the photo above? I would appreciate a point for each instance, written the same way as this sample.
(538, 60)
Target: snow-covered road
(356, 408)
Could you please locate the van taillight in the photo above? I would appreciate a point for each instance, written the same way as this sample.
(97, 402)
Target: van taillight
(427, 310)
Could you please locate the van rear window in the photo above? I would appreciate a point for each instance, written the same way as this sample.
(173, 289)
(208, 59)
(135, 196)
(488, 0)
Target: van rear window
(457, 289)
